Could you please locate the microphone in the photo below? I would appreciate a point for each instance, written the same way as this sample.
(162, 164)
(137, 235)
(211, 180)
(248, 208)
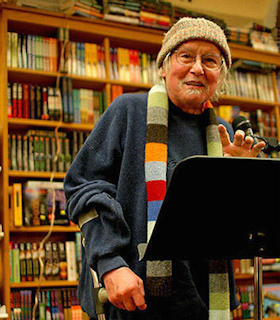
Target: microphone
(242, 123)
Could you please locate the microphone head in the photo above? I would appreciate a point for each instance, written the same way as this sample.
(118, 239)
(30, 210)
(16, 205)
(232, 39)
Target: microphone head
(241, 123)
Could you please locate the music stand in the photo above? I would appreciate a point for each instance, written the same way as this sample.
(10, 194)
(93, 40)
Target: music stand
(221, 208)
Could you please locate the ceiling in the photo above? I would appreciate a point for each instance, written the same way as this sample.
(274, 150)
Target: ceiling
(238, 13)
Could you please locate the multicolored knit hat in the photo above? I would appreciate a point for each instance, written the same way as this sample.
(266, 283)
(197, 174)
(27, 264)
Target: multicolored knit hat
(194, 28)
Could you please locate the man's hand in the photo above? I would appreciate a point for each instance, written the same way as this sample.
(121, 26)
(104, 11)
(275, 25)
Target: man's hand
(240, 147)
(125, 289)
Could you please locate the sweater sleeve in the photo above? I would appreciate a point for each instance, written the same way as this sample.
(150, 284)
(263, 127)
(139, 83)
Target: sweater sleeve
(91, 184)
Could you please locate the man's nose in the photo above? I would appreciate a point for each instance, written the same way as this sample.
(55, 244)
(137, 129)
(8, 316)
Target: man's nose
(197, 67)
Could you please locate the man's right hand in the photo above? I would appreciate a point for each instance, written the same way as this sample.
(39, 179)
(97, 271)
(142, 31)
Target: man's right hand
(125, 289)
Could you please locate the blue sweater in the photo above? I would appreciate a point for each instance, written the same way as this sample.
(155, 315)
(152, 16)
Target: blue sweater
(108, 175)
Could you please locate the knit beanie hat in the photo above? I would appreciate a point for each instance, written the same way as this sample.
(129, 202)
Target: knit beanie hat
(194, 28)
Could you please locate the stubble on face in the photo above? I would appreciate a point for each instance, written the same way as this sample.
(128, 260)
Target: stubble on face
(193, 91)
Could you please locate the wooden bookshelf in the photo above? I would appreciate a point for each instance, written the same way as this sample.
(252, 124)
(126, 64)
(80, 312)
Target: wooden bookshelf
(44, 284)
(35, 175)
(109, 34)
(15, 123)
(44, 229)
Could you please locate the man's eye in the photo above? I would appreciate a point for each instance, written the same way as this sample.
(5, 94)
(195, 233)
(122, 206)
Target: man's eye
(187, 56)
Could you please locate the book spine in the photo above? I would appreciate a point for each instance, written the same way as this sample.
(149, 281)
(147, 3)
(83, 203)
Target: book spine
(22, 262)
(71, 260)
(17, 196)
(16, 266)
(29, 262)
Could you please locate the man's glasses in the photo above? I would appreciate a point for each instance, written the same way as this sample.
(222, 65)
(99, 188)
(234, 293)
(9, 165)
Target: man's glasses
(209, 61)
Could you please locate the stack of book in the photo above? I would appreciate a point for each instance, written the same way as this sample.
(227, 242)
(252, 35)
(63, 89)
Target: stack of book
(32, 52)
(84, 8)
(51, 5)
(261, 38)
(132, 66)
(53, 304)
(238, 35)
(155, 14)
(60, 260)
(122, 11)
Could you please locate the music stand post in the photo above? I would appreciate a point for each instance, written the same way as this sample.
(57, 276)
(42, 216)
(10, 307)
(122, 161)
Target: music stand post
(211, 202)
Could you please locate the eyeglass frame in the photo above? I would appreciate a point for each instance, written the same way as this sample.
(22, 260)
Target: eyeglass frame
(194, 60)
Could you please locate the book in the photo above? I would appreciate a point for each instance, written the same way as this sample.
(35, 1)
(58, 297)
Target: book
(62, 261)
(16, 263)
(17, 204)
(29, 262)
(22, 262)
(71, 260)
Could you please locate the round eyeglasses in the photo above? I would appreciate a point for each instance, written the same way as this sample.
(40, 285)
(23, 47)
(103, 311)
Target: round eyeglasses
(188, 58)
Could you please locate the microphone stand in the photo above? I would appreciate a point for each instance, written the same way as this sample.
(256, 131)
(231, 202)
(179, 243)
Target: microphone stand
(272, 144)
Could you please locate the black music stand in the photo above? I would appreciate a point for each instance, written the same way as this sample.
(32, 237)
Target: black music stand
(221, 208)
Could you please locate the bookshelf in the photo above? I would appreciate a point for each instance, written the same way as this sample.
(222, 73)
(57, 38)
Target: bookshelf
(108, 34)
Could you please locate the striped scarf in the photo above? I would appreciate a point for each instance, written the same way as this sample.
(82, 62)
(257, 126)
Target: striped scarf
(159, 273)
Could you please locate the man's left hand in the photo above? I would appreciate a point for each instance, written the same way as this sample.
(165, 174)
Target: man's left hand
(240, 147)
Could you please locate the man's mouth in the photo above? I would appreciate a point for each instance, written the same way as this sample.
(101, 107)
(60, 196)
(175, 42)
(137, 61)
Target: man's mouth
(194, 83)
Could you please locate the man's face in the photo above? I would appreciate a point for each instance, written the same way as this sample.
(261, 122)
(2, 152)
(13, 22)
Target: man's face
(189, 87)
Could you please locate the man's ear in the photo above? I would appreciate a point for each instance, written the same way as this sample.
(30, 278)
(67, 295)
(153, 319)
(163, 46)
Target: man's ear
(163, 73)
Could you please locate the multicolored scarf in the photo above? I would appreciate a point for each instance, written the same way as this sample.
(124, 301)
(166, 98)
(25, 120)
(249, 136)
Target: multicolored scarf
(159, 273)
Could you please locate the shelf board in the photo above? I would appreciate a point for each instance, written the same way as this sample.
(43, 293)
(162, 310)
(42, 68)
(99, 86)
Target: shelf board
(31, 123)
(33, 76)
(38, 229)
(44, 284)
(35, 174)
(249, 104)
(267, 277)
(239, 51)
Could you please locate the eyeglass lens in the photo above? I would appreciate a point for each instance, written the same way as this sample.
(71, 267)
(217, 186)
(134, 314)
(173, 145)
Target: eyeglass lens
(210, 61)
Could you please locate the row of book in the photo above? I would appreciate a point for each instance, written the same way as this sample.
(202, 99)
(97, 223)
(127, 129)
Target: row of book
(59, 304)
(32, 52)
(246, 266)
(271, 302)
(81, 105)
(132, 65)
(263, 122)
(31, 101)
(252, 85)
(45, 54)
(59, 260)
(36, 150)
(85, 59)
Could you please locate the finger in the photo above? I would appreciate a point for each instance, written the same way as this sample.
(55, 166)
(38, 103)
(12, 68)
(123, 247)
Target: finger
(248, 142)
(257, 148)
(238, 138)
(139, 301)
(224, 136)
(120, 306)
(129, 304)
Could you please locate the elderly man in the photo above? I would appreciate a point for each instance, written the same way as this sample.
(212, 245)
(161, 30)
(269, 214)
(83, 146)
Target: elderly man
(117, 182)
